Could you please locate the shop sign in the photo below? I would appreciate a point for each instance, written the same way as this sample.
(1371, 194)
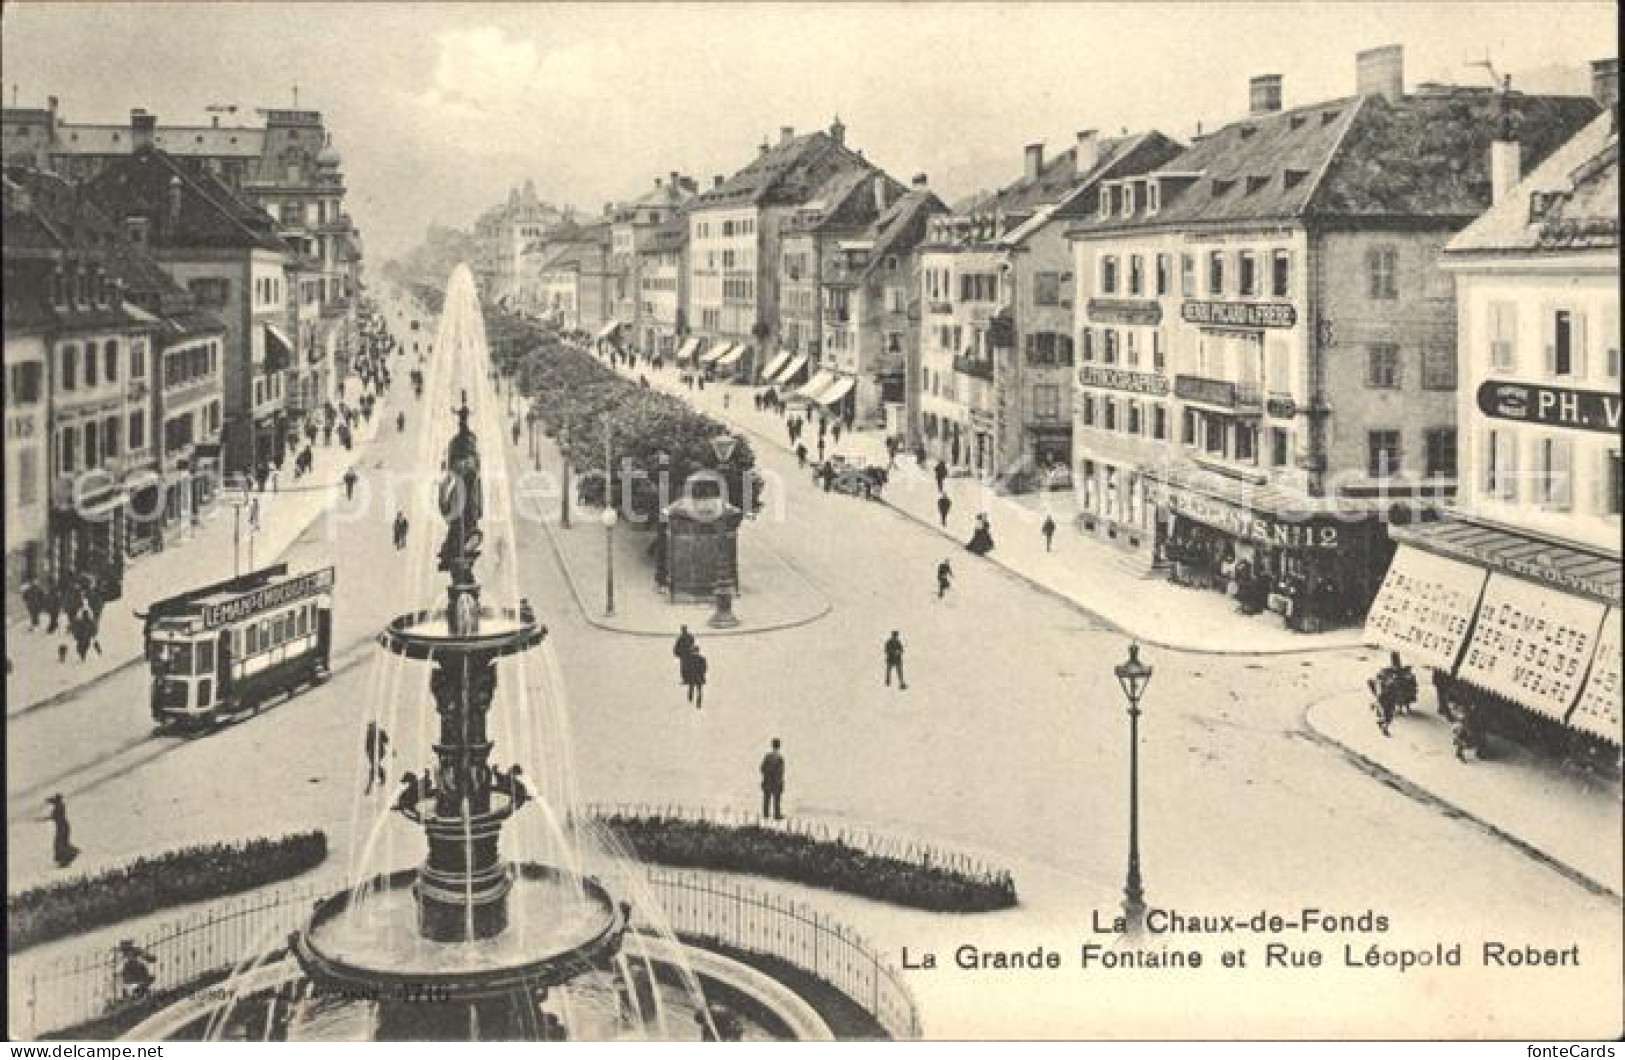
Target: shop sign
(1425, 607)
(1125, 311)
(1583, 410)
(267, 598)
(1253, 526)
(1240, 314)
(1598, 709)
(1281, 408)
(1532, 644)
(1208, 391)
(1117, 379)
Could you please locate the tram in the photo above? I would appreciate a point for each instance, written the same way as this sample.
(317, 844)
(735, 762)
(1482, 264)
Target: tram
(226, 648)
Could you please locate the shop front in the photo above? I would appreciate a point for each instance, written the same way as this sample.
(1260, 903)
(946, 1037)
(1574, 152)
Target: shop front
(1522, 634)
(1314, 563)
(87, 539)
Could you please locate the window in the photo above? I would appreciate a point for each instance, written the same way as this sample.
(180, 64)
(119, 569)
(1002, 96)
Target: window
(1247, 272)
(1110, 414)
(24, 384)
(1159, 422)
(1110, 352)
(138, 360)
(1441, 456)
(1247, 443)
(110, 360)
(92, 454)
(1158, 357)
(1281, 274)
(1108, 275)
(1503, 327)
(1556, 463)
(1278, 447)
(1382, 450)
(1088, 345)
(27, 477)
(1382, 366)
(1565, 343)
(1088, 409)
(1187, 428)
(68, 446)
(1136, 275)
(1613, 485)
(138, 431)
(90, 365)
(1215, 273)
(1164, 267)
(1610, 335)
(110, 436)
(1047, 288)
(1134, 417)
(1381, 268)
(1187, 275)
(1153, 197)
(1106, 201)
(1438, 367)
(1213, 430)
(1047, 402)
(210, 293)
(977, 287)
(1131, 349)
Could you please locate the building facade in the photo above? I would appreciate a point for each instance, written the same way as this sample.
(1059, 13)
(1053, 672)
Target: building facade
(662, 316)
(1267, 345)
(633, 226)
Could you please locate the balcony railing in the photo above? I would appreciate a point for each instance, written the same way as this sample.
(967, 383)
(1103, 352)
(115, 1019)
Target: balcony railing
(1223, 393)
(979, 368)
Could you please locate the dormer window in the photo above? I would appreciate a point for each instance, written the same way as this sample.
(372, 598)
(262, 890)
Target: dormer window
(1128, 200)
(1297, 121)
(1153, 197)
(1246, 131)
(1328, 116)
(1256, 184)
(1106, 191)
(1222, 187)
(1291, 178)
(59, 290)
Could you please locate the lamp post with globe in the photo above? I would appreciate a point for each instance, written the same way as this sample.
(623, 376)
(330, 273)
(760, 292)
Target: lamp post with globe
(723, 447)
(609, 518)
(1133, 675)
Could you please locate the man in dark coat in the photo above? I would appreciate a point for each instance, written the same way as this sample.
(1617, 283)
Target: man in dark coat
(773, 782)
(34, 601)
(683, 645)
(694, 666)
(945, 577)
(943, 504)
(894, 661)
(942, 474)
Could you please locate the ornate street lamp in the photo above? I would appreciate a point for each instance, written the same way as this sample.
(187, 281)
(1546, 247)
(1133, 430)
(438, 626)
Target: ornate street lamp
(609, 518)
(1134, 676)
(723, 446)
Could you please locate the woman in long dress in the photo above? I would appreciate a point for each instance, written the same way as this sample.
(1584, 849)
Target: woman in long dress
(62, 846)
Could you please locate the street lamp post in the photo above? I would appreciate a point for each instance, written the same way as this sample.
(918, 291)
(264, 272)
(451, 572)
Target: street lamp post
(723, 446)
(609, 519)
(564, 494)
(1134, 676)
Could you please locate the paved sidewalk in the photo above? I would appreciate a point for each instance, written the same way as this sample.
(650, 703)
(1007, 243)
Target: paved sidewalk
(1564, 817)
(196, 556)
(1092, 575)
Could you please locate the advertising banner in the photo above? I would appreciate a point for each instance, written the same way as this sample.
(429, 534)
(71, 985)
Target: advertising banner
(1425, 607)
(1532, 644)
(1598, 711)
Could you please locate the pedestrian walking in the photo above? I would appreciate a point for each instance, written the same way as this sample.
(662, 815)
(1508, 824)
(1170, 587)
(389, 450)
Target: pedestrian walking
(894, 660)
(349, 484)
(683, 645)
(981, 539)
(400, 530)
(34, 601)
(801, 454)
(52, 603)
(694, 667)
(400, 423)
(1048, 530)
(254, 513)
(945, 578)
(820, 448)
(62, 848)
(81, 628)
(942, 474)
(377, 748)
(943, 505)
(773, 782)
(836, 432)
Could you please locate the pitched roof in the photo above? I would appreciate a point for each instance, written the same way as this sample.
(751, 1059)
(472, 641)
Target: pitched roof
(210, 215)
(902, 226)
(1570, 201)
(667, 236)
(787, 173)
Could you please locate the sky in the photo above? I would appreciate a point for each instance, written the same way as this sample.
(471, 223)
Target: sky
(439, 109)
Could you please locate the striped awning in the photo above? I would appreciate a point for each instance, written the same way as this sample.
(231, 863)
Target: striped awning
(689, 348)
(779, 360)
(607, 330)
(722, 350)
(839, 389)
(816, 386)
(733, 356)
(790, 372)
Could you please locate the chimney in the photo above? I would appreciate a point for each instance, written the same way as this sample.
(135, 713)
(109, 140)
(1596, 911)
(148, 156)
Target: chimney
(921, 182)
(1035, 161)
(1605, 85)
(1264, 94)
(1088, 153)
(676, 180)
(174, 202)
(716, 181)
(142, 128)
(837, 131)
(1381, 72)
(786, 133)
(882, 192)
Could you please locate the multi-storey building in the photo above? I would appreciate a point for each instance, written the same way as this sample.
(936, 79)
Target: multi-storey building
(996, 276)
(662, 318)
(1514, 599)
(870, 315)
(503, 233)
(734, 238)
(632, 226)
(287, 167)
(228, 255)
(1267, 345)
(573, 278)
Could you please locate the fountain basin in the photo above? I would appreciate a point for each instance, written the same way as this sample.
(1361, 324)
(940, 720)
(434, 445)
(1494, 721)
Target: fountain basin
(367, 945)
(428, 635)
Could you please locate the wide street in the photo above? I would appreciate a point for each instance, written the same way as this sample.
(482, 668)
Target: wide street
(1011, 741)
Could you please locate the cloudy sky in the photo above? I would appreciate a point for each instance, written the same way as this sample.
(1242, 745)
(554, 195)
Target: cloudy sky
(438, 109)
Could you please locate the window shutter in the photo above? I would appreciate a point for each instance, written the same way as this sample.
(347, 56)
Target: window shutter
(1562, 489)
(1508, 464)
(1577, 335)
(1548, 337)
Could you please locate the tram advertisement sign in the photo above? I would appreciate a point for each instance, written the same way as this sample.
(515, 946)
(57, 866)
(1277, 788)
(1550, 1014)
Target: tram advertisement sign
(1598, 709)
(1583, 410)
(270, 596)
(1532, 644)
(1426, 607)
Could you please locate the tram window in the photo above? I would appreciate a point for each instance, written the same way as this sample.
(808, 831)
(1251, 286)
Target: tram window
(205, 692)
(253, 640)
(205, 657)
(265, 634)
(303, 619)
(172, 658)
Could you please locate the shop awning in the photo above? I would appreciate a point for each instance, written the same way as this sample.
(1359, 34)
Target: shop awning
(607, 331)
(791, 371)
(1532, 645)
(1426, 607)
(1598, 711)
(821, 381)
(779, 360)
(689, 348)
(279, 349)
(1265, 514)
(839, 389)
(722, 350)
(1565, 567)
(733, 356)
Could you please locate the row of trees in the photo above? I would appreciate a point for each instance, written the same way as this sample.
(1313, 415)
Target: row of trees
(655, 442)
